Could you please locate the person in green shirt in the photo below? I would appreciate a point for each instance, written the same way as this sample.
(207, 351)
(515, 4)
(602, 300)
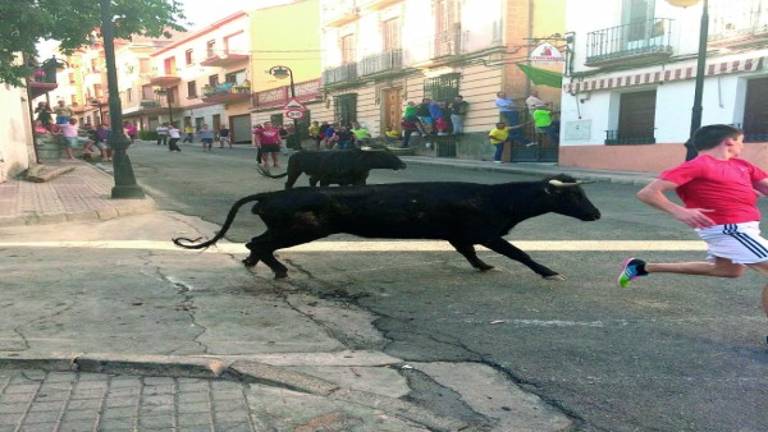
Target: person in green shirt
(542, 119)
(362, 136)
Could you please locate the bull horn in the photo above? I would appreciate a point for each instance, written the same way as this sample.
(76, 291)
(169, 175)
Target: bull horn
(560, 184)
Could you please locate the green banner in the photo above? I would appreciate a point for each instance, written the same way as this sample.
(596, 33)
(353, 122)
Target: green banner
(542, 76)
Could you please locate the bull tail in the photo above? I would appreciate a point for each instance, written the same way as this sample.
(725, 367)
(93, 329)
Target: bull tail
(266, 173)
(187, 243)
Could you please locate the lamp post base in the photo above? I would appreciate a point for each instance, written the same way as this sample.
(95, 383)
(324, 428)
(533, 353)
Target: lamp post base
(127, 192)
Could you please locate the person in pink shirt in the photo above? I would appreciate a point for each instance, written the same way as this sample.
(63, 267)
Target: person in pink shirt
(69, 132)
(269, 141)
(720, 204)
(131, 131)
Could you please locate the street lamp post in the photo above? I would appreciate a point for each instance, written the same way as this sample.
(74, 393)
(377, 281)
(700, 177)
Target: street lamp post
(701, 64)
(282, 72)
(125, 180)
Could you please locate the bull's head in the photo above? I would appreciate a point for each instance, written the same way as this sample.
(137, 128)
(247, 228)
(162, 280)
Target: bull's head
(384, 159)
(568, 198)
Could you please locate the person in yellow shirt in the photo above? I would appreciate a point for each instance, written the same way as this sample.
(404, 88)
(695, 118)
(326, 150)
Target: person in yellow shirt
(314, 133)
(500, 135)
(189, 131)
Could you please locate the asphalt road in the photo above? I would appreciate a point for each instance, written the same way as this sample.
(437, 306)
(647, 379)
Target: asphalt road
(669, 354)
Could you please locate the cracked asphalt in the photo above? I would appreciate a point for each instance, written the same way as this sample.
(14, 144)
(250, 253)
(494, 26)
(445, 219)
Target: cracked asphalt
(671, 354)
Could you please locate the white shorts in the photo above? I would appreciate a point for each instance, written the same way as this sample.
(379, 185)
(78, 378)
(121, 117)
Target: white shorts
(740, 243)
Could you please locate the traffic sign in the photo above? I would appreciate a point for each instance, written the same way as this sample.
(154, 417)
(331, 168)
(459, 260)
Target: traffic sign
(294, 114)
(294, 109)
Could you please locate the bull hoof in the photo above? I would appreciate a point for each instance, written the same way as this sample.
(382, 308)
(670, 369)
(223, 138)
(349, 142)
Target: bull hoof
(556, 277)
(485, 268)
(281, 275)
(249, 262)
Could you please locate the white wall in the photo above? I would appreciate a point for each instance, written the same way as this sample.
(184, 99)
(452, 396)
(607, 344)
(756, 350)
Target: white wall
(15, 134)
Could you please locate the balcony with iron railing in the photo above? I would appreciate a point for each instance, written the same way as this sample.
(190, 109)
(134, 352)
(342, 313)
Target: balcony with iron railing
(638, 42)
(447, 42)
(738, 21)
(345, 73)
(383, 63)
(227, 92)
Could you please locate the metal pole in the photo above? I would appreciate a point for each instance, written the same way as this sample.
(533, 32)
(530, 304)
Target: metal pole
(699, 91)
(125, 181)
(170, 108)
(296, 137)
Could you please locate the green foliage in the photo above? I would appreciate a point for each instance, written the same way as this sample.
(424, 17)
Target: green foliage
(73, 23)
(147, 135)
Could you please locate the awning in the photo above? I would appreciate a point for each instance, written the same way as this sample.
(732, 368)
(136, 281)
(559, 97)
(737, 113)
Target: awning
(542, 76)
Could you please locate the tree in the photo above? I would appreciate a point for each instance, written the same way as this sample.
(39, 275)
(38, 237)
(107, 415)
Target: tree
(72, 23)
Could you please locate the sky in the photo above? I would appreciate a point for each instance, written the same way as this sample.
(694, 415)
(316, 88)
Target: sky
(202, 12)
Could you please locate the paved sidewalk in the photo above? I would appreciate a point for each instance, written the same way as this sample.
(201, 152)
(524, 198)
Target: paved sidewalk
(544, 169)
(83, 194)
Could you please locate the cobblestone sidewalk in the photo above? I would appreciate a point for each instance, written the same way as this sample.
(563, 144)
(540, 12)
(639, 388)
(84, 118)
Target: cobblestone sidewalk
(82, 194)
(37, 401)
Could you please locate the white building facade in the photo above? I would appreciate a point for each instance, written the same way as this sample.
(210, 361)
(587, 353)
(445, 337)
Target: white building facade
(627, 102)
(381, 54)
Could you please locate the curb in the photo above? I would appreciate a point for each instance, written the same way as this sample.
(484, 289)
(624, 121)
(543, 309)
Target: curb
(607, 177)
(244, 371)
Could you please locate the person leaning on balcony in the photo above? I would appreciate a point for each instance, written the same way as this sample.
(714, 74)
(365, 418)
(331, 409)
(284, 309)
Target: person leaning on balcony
(63, 113)
(458, 110)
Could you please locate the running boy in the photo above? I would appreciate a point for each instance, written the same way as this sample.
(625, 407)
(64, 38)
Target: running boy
(718, 190)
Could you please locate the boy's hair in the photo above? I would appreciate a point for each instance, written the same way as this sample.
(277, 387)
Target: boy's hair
(500, 124)
(709, 137)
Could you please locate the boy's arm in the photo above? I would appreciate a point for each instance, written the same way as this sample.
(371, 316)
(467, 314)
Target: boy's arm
(653, 195)
(762, 186)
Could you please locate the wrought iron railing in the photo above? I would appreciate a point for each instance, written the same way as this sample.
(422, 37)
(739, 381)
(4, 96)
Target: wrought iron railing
(638, 39)
(384, 62)
(344, 73)
(448, 42)
(618, 137)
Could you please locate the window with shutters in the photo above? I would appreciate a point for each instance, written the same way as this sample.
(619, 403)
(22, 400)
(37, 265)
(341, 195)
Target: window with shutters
(348, 49)
(637, 114)
(345, 108)
(188, 57)
(191, 89)
(756, 111)
(442, 88)
(391, 33)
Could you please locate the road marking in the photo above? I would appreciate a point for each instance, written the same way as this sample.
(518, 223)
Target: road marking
(385, 246)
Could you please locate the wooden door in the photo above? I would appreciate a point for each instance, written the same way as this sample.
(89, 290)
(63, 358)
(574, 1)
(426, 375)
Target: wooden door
(393, 109)
(756, 109)
(216, 122)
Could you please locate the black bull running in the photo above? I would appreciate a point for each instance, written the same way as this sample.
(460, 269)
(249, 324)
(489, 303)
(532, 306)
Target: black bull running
(464, 214)
(342, 167)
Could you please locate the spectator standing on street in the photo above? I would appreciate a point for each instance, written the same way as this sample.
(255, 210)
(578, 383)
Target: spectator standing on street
(71, 140)
(345, 138)
(174, 135)
(314, 132)
(162, 134)
(206, 137)
(329, 136)
(43, 112)
(542, 120)
(718, 190)
(409, 127)
(63, 113)
(361, 133)
(224, 137)
(422, 112)
(256, 143)
(189, 133)
(511, 117)
(130, 131)
(269, 139)
(458, 109)
(103, 132)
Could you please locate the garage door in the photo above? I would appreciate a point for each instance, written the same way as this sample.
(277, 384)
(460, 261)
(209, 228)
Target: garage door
(241, 129)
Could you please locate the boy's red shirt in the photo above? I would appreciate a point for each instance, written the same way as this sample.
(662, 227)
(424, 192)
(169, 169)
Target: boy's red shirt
(727, 187)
